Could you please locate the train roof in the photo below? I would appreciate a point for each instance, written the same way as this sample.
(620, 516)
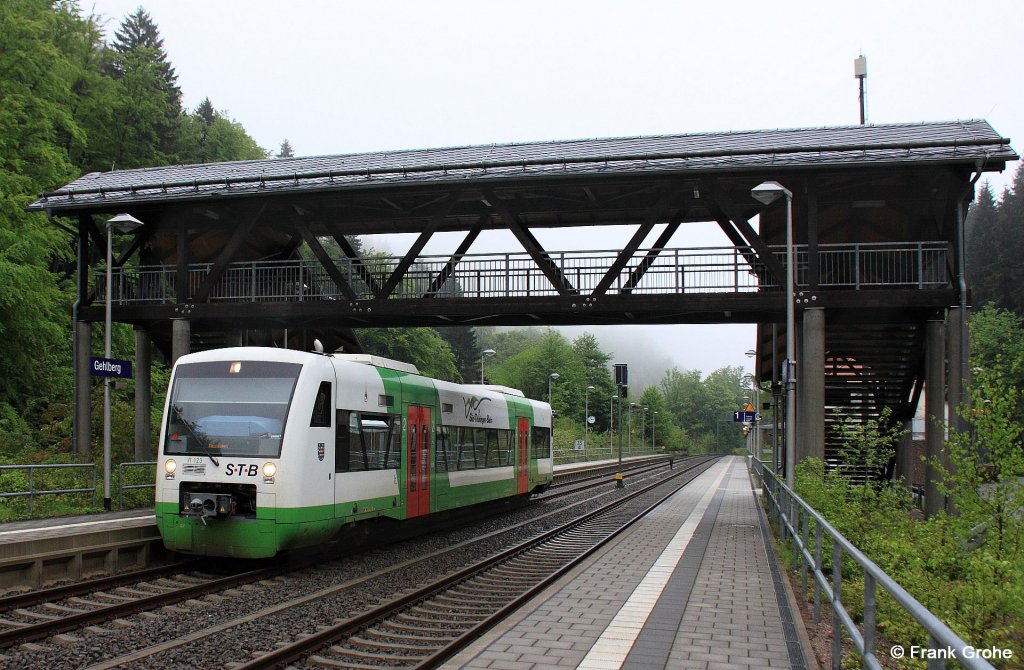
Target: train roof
(379, 362)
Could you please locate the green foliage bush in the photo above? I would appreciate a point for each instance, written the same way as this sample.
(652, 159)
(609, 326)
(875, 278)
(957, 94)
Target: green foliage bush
(967, 567)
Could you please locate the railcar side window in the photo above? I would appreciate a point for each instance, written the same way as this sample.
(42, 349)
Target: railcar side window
(540, 439)
(442, 449)
(366, 441)
(466, 448)
(321, 417)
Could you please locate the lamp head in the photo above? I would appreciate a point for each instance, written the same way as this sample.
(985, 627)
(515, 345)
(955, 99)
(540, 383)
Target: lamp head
(768, 192)
(554, 376)
(488, 352)
(123, 223)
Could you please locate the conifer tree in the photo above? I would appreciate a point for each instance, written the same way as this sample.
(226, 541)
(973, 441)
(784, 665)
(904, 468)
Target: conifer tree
(286, 150)
(981, 263)
(147, 113)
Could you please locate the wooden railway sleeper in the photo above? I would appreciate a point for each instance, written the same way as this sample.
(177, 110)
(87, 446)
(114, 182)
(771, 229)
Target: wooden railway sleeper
(433, 605)
(37, 616)
(448, 614)
(459, 597)
(331, 663)
(392, 635)
(431, 623)
(357, 644)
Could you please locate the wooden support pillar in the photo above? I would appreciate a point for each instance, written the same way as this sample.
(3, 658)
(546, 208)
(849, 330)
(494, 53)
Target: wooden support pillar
(82, 440)
(181, 334)
(905, 455)
(143, 394)
(811, 376)
(955, 358)
(934, 389)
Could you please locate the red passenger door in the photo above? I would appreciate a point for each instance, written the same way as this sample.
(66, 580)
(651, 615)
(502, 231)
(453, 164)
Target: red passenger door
(417, 501)
(522, 462)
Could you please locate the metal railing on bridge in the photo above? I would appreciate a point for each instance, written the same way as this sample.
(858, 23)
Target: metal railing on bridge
(511, 275)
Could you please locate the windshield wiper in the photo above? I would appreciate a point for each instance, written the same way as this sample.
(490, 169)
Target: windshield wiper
(197, 434)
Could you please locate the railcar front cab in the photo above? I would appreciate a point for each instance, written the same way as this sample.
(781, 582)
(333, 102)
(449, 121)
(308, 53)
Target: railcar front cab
(232, 428)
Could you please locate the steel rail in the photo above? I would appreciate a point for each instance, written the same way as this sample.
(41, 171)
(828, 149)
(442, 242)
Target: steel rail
(14, 636)
(37, 596)
(307, 645)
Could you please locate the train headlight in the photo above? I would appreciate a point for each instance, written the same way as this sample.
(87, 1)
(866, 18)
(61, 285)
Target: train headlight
(269, 470)
(169, 467)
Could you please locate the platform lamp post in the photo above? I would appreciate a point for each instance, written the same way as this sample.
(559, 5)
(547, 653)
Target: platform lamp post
(643, 429)
(654, 447)
(751, 353)
(766, 193)
(554, 376)
(486, 353)
(586, 417)
(121, 223)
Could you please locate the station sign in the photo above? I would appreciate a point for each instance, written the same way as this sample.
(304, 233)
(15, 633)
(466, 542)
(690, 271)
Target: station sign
(745, 417)
(109, 367)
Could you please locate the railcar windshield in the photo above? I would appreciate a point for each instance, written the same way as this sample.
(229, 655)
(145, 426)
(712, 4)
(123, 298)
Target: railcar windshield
(229, 408)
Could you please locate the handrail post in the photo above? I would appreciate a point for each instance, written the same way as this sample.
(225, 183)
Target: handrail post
(837, 590)
(869, 619)
(935, 663)
(31, 490)
(856, 266)
(817, 569)
(920, 265)
(803, 559)
(794, 520)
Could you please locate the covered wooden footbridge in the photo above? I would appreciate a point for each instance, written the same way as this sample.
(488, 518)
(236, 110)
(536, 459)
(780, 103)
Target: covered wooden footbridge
(236, 252)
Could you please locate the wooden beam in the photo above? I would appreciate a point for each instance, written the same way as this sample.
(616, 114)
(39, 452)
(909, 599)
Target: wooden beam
(227, 254)
(357, 263)
(325, 260)
(643, 230)
(531, 245)
(85, 297)
(813, 255)
(449, 268)
(417, 247)
(718, 208)
(181, 258)
(640, 270)
(289, 249)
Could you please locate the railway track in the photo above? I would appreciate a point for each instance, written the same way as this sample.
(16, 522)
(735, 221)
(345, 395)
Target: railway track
(430, 624)
(58, 611)
(42, 614)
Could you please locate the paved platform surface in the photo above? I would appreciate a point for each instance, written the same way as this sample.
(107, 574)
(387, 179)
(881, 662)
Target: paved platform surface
(694, 585)
(18, 531)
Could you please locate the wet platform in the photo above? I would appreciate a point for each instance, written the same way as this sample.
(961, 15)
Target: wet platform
(696, 584)
(38, 552)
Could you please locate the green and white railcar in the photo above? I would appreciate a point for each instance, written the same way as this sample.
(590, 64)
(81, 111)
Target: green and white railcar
(269, 449)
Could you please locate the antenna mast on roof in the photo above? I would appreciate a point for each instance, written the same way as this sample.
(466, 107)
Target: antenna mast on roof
(860, 71)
